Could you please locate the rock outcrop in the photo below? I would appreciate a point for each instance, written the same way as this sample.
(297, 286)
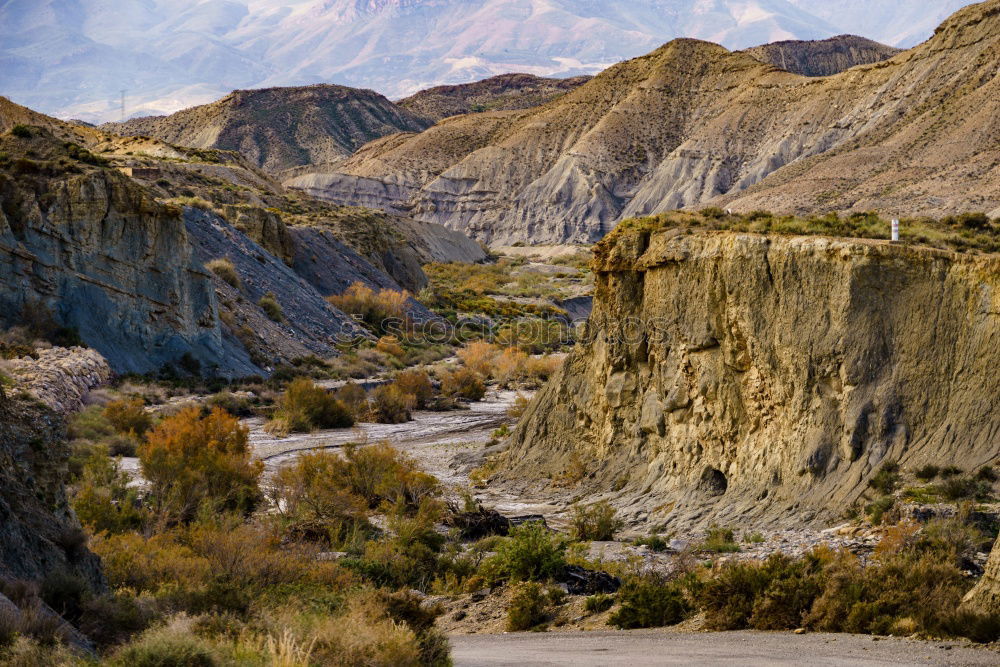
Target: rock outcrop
(308, 324)
(39, 533)
(823, 57)
(985, 596)
(60, 377)
(737, 377)
(693, 123)
(94, 249)
(506, 92)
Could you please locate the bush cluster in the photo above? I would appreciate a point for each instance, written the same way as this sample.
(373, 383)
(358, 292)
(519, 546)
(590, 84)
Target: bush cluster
(598, 522)
(383, 312)
(190, 460)
(306, 407)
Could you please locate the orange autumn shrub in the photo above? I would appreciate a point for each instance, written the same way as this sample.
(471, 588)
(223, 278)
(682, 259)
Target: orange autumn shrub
(190, 461)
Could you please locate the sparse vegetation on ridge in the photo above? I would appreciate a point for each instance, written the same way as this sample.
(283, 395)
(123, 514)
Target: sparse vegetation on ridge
(968, 232)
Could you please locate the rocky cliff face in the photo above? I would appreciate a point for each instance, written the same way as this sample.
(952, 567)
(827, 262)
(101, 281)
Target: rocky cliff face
(39, 533)
(95, 250)
(823, 57)
(985, 597)
(736, 377)
(693, 123)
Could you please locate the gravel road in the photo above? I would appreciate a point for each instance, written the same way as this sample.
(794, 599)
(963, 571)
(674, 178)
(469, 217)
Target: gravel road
(641, 648)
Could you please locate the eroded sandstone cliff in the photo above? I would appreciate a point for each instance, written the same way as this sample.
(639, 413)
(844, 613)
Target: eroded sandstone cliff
(732, 377)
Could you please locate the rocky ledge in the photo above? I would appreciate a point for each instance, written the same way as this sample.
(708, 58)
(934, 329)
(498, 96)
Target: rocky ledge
(61, 377)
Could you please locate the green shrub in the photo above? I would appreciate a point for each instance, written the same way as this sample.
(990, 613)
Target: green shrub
(22, 131)
(877, 509)
(950, 471)
(770, 595)
(987, 474)
(314, 501)
(237, 406)
(959, 488)
(269, 304)
(886, 479)
(927, 473)
(596, 604)
(529, 553)
(111, 620)
(597, 522)
(90, 424)
(166, 647)
(463, 383)
(129, 416)
(720, 540)
(654, 542)
(305, 407)
(649, 602)
(226, 270)
(325, 490)
(528, 607)
(104, 501)
(389, 405)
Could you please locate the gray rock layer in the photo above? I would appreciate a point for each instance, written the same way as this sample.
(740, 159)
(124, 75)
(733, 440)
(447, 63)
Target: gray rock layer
(106, 259)
(734, 377)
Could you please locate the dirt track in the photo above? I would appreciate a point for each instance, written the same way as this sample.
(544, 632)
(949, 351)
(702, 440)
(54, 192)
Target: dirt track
(642, 648)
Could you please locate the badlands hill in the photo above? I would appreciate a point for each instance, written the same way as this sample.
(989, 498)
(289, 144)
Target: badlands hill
(823, 57)
(281, 128)
(506, 92)
(693, 123)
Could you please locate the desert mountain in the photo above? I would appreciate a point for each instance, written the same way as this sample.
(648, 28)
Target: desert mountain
(172, 54)
(281, 128)
(693, 123)
(506, 92)
(823, 57)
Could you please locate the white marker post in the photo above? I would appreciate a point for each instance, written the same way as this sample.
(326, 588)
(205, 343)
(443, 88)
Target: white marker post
(895, 230)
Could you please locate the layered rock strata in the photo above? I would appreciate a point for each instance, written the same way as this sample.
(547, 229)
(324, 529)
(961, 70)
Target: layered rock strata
(735, 377)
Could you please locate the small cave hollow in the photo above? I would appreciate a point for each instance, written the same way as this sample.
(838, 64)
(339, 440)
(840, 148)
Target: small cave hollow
(714, 482)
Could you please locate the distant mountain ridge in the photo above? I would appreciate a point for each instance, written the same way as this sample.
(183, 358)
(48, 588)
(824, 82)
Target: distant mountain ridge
(692, 124)
(282, 128)
(73, 58)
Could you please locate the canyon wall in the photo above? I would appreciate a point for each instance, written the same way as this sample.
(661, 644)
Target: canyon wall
(729, 377)
(102, 257)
